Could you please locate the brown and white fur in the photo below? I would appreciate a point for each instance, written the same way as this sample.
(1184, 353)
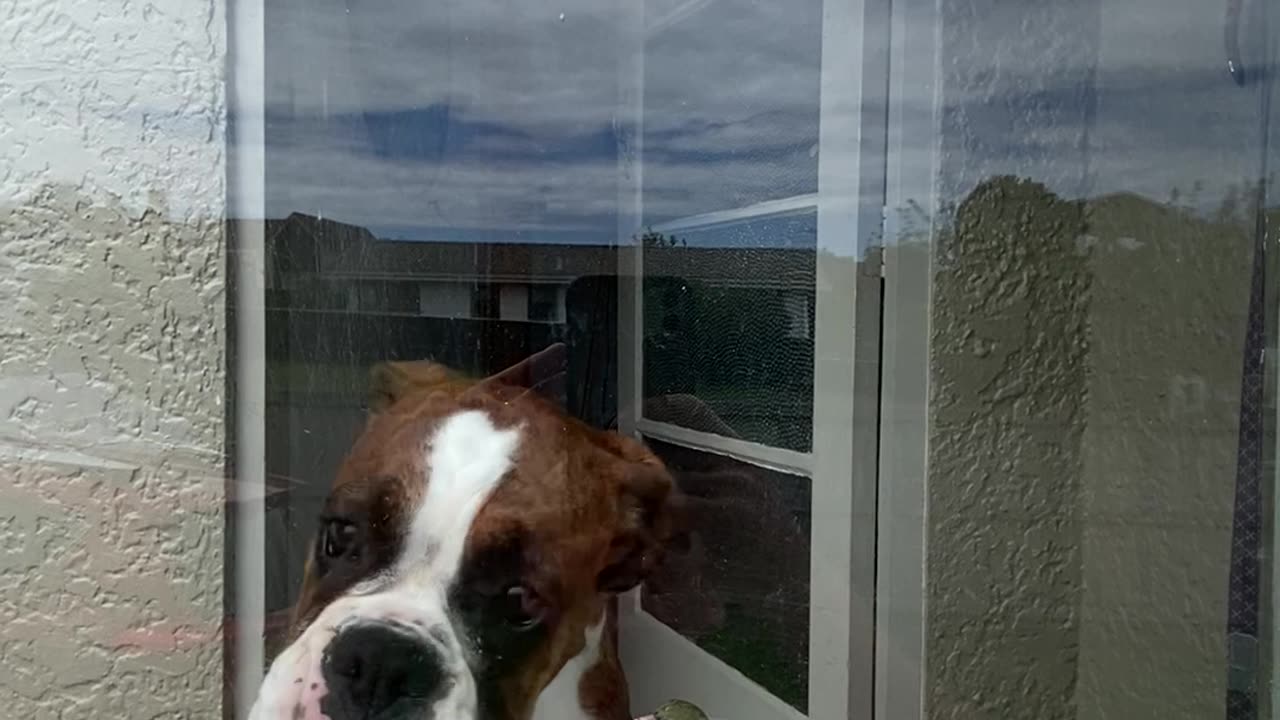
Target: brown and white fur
(468, 561)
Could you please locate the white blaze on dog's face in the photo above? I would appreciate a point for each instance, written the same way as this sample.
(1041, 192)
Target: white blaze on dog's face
(465, 560)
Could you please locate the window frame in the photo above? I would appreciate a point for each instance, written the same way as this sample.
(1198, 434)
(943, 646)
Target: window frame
(247, 337)
(842, 464)
(859, 671)
(911, 187)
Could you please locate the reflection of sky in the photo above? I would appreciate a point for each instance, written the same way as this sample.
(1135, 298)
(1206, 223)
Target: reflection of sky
(498, 120)
(793, 231)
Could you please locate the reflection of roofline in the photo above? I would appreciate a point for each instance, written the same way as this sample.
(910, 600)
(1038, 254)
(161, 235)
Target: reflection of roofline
(768, 209)
(309, 246)
(450, 277)
(783, 281)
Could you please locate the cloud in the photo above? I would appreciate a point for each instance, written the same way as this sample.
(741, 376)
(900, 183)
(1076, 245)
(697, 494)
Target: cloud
(337, 175)
(503, 114)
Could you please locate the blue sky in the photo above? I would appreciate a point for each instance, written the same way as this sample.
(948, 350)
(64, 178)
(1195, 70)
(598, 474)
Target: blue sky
(496, 119)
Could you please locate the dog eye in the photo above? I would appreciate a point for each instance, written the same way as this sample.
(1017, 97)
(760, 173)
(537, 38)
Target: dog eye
(337, 539)
(521, 607)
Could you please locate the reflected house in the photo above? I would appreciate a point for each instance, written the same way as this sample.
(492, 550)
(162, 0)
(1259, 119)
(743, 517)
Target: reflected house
(339, 297)
(339, 300)
(324, 265)
(320, 264)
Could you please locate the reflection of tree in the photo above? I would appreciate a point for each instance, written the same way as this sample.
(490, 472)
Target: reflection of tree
(1236, 204)
(652, 239)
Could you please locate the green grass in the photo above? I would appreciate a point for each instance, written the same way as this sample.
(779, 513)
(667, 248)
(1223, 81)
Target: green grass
(740, 643)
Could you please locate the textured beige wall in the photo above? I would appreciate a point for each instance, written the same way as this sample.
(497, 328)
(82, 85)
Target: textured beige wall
(1167, 330)
(1006, 417)
(112, 345)
(1086, 365)
(111, 480)
(1090, 581)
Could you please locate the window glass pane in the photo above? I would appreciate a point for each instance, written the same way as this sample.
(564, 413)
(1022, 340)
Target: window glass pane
(728, 319)
(730, 104)
(743, 600)
(450, 185)
(1099, 426)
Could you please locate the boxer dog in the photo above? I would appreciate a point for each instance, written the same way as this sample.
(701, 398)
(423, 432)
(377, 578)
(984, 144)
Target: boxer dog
(468, 560)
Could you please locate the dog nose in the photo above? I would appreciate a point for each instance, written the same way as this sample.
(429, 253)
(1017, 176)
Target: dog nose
(376, 668)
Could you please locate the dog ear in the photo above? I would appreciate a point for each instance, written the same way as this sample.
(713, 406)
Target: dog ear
(542, 372)
(391, 381)
(649, 507)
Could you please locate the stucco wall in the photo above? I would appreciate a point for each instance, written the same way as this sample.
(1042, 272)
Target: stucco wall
(112, 343)
(1007, 378)
(1080, 510)
(1167, 332)
(1006, 417)
(1086, 367)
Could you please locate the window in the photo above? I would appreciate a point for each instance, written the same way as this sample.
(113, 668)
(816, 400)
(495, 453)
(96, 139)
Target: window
(869, 288)
(544, 303)
(952, 321)
(718, 323)
(486, 301)
(724, 348)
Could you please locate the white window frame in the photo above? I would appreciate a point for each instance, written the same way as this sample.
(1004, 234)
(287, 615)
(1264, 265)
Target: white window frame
(842, 464)
(914, 133)
(788, 461)
(246, 205)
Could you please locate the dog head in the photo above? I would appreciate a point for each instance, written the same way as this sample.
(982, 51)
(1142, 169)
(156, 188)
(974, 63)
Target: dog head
(466, 557)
